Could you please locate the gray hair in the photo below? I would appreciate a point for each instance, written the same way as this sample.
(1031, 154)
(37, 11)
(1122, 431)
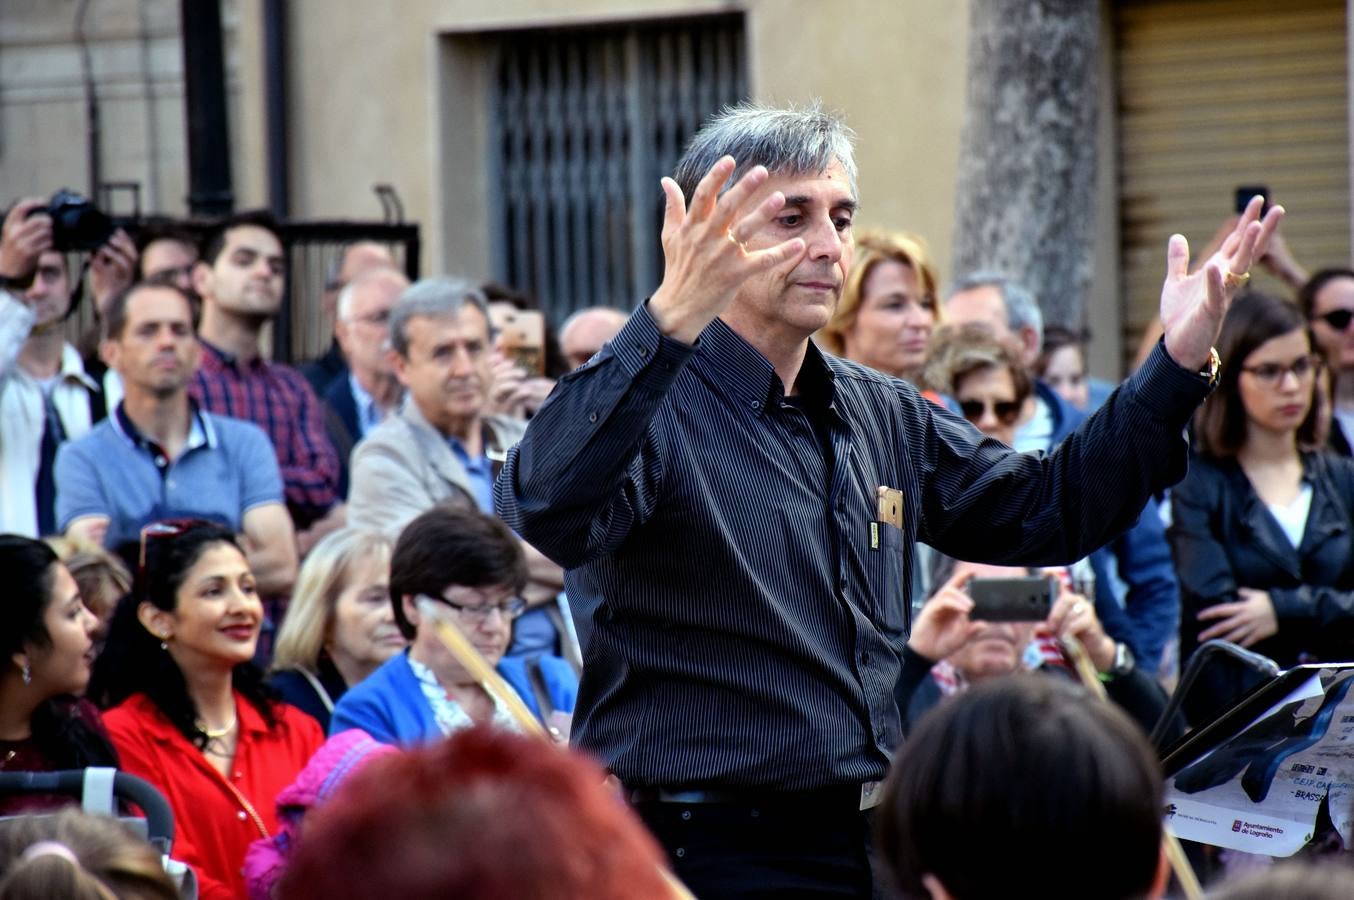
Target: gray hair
(1022, 310)
(787, 141)
(439, 297)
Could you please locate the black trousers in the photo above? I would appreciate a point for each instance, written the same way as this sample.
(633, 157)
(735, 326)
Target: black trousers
(743, 851)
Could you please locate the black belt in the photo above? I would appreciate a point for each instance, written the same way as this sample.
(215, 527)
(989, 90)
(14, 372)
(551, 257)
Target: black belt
(840, 797)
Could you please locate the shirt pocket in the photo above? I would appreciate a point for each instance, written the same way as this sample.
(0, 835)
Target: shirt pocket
(888, 593)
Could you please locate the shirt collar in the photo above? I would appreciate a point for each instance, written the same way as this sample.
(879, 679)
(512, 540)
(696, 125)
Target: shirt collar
(73, 368)
(200, 430)
(217, 358)
(750, 378)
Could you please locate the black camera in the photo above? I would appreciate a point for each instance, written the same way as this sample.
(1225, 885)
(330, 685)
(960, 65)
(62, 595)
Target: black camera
(77, 224)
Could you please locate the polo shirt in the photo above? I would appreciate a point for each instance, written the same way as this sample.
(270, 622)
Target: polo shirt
(226, 469)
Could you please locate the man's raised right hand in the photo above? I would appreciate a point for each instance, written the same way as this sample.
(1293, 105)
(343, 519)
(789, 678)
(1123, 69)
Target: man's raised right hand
(23, 238)
(706, 248)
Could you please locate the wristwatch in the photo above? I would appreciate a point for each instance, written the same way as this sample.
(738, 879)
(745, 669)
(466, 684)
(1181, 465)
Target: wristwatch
(1213, 368)
(1123, 661)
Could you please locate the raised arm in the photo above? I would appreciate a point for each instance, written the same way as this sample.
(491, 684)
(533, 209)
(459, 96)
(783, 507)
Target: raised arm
(590, 463)
(23, 238)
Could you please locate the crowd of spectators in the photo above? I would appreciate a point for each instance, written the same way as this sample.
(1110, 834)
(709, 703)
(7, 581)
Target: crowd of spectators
(220, 567)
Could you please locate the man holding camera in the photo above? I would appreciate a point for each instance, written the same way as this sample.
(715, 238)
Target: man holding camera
(46, 397)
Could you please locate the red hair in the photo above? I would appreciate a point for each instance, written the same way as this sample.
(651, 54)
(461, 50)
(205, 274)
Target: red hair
(484, 814)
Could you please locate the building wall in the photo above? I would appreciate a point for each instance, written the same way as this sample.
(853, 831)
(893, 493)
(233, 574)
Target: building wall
(137, 65)
(406, 104)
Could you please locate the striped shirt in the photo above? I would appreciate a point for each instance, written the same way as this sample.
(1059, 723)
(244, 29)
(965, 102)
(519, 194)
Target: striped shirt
(277, 399)
(744, 608)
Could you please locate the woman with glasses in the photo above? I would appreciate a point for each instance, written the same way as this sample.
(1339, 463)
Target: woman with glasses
(339, 626)
(1263, 525)
(471, 566)
(1327, 300)
(47, 637)
(190, 712)
(888, 306)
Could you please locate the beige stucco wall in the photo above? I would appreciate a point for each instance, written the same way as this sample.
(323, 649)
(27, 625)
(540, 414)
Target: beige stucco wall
(400, 98)
(402, 102)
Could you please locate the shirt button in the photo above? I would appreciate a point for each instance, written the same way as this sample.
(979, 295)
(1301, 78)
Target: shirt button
(170, 484)
(592, 417)
(643, 351)
(756, 404)
(240, 815)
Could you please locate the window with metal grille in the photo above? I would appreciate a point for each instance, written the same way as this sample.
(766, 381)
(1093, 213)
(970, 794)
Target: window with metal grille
(583, 125)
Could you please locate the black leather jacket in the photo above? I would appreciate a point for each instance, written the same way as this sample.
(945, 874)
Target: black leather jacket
(1223, 537)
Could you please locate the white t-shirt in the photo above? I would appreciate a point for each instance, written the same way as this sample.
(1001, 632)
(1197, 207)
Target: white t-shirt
(1293, 517)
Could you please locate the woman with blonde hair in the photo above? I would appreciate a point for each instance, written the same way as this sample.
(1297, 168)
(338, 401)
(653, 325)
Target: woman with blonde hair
(888, 306)
(340, 626)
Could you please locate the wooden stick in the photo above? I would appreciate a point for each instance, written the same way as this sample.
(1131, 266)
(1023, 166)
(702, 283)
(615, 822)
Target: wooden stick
(1175, 854)
(478, 667)
(474, 662)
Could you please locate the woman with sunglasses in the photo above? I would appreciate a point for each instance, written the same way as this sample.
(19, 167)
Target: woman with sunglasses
(1263, 525)
(190, 711)
(47, 637)
(471, 566)
(1327, 300)
(983, 376)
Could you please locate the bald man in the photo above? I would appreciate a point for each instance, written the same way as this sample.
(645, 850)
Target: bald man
(353, 260)
(358, 402)
(587, 330)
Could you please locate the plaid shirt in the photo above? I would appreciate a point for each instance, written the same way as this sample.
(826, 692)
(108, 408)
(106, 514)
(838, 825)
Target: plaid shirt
(277, 399)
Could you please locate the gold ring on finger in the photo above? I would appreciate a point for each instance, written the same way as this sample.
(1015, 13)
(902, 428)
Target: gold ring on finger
(1236, 280)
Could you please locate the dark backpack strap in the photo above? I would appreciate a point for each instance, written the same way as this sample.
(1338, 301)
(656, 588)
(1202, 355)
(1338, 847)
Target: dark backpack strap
(536, 678)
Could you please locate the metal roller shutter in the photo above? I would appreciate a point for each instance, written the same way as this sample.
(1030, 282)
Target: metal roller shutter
(1216, 94)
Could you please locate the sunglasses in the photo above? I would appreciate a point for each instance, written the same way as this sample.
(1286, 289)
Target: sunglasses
(1337, 318)
(163, 529)
(1006, 411)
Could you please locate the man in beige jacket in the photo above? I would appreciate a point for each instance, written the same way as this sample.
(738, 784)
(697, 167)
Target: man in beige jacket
(441, 446)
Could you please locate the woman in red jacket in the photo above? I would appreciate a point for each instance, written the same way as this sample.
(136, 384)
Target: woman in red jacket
(192, 715)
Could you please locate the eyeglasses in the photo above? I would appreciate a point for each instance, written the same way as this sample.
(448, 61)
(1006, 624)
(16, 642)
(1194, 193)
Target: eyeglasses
(1271, 374)
(1338, 319)
(479, 613)
(1006, 411)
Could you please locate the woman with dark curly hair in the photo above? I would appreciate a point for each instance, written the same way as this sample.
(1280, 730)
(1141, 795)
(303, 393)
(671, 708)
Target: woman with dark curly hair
(46, 636)
(191, 713)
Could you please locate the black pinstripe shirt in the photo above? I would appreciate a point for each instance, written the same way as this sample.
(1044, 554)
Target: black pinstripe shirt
(743, 623)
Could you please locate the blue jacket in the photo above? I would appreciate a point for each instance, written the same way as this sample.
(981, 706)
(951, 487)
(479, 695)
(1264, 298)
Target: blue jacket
(388, 704)
(1137, 597)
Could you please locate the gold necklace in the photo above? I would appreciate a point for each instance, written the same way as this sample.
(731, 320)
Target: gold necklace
(215, 733)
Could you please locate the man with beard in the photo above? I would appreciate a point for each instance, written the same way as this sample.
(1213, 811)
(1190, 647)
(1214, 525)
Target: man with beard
(240, 279)
(157, 456)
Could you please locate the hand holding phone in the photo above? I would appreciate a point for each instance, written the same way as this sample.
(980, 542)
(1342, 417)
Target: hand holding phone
(1028, 598)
